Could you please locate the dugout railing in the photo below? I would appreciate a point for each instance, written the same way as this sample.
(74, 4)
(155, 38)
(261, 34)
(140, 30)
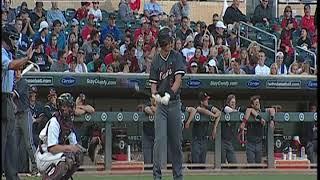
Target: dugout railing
(138, 117)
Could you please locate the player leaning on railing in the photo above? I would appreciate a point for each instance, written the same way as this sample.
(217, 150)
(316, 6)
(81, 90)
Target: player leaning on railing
(255, 129)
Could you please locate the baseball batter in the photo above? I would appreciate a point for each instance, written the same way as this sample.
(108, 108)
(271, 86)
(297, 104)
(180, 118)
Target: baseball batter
(166, 73)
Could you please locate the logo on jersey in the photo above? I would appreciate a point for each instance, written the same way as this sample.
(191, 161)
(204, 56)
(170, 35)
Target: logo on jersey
(164, 75)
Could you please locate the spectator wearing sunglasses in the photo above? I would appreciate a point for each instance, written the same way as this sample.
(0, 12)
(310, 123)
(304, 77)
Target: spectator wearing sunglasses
(262, 13)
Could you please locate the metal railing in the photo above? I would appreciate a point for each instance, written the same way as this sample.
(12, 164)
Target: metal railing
(310, 55)
(138, 117)
(247, 28)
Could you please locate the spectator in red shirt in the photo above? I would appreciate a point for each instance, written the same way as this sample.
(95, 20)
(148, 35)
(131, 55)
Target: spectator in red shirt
(198, 57)
(52, 49)
(155, 25)
(82, 12)
(130, 59)
(88, 28)
(113, 59)
(74, 51)
(144, 30)
(71, 39)
(135, 5)
(285, 45)
(307, 20)
(288, 22)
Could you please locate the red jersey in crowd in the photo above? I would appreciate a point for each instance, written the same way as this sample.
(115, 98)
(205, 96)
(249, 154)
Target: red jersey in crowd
(308, 23)
(135, 5)
(81, 13)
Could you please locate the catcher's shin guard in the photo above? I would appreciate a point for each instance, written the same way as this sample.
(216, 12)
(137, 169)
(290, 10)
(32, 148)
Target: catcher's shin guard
(55, 172)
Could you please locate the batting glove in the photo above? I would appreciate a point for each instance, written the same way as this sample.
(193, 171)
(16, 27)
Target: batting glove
(165, 99)
(157, 98)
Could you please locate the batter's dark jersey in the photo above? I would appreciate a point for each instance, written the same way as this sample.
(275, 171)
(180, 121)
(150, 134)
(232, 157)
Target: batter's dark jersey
(163, 72)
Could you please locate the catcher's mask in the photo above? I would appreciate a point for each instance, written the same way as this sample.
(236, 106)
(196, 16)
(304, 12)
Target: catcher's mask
(10, 36)
(66, 106)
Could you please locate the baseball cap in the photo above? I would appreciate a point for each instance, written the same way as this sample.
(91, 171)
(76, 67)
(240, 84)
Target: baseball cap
(220, 24)
(212, 63)
(91, 16)
(194, 64)
(96, 51)
(37, 42)
(188, 39)
(82, 96)
(112, 16)
(33, 89)
(81, 50)
(144, 20)
(43, 25)
(52, 92)
(75, 22)
(203, 96)
(56, 22)
(280, 54)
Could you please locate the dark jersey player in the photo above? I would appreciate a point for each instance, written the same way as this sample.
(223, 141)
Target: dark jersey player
(166, 73)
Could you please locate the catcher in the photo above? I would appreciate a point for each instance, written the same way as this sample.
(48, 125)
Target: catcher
(59, 155)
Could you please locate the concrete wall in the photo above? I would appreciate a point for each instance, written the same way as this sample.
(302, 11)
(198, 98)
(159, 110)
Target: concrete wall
(200, 10)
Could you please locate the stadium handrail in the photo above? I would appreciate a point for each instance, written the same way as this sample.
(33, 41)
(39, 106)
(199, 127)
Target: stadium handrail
(262, 31)
(308, 51)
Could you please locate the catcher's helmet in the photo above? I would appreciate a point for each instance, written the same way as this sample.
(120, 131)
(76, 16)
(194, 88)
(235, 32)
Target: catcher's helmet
(9, 35)
(65, 99)
(165, 37)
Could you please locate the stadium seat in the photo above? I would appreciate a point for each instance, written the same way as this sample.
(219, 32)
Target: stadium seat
(298, 18)
(105, 14)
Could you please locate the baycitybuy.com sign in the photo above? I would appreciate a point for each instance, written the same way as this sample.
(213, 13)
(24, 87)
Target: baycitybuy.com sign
(101, 82)
(223, 83)
(39, 81)
(283, 84)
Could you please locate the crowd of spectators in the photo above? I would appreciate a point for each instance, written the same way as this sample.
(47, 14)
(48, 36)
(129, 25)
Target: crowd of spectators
(91, 39)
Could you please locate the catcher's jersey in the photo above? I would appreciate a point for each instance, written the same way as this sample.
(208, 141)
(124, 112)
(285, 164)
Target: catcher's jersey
(50, 134)
(163, 71)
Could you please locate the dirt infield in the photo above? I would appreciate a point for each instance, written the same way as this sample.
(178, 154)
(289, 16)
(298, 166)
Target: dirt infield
(225, 174)
(196, 177)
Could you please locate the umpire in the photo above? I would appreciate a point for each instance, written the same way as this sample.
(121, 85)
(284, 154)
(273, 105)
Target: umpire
(24, 119)
(9, 64)
(167, 69)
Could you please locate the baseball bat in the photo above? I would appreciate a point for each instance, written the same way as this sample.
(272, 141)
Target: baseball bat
(138, 89)
(29, 67)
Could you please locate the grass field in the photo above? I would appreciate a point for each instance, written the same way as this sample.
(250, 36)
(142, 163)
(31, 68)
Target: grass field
(195, 177)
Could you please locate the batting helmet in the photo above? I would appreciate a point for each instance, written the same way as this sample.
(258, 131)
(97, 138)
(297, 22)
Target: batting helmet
(165, 37)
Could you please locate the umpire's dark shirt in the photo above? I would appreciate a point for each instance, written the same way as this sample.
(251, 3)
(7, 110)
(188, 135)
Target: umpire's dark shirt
(22, 91)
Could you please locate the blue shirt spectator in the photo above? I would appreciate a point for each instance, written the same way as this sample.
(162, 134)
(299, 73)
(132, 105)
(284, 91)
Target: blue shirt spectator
(42, 33)
(55, 14)
(7, 75)
(61, 37)
(111, 29)
(152, 8)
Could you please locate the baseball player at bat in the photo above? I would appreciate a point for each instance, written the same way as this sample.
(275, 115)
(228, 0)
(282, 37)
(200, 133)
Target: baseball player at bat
(167, 70)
